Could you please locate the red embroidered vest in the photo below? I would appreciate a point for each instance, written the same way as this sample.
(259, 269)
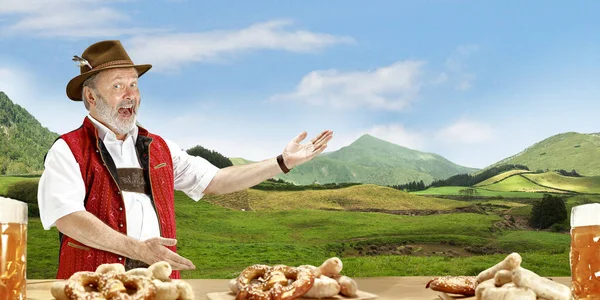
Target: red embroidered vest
(103, 196)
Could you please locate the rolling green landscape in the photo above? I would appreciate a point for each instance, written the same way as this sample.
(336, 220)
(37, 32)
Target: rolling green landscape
(223, 241)
(375, 230)
(569, 151)
(372, 160)
(354, 203)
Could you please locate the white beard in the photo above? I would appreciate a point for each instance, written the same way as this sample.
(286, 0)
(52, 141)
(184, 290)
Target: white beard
(110, 116)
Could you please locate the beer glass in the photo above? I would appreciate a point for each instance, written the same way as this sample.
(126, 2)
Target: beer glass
(13, 249)
(585, 251)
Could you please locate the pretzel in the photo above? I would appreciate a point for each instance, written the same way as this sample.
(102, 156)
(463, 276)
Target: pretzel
(502, 277)
(161, 270)
(463, 285)
(84, 285)
(273, 285)
(110, 281)
(106, 268)
(324, 287)
(482, 286)
(58, 290)
(123, 286)
(184, 289)
(316, 271)
(508, 292)
(331, 267)
(543, 287)
(348, 286)
(511, 262)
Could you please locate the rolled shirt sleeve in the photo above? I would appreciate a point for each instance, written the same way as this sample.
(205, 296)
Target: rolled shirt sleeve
(61, 190)
(192, 173)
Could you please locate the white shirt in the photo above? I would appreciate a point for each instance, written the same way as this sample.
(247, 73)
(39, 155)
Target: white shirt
(61, 188)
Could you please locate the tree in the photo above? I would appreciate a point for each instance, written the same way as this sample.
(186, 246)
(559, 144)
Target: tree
(469, 192)
(212, 156)
(547, 211)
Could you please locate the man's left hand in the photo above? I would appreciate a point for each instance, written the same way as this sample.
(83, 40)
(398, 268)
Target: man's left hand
(296, 154)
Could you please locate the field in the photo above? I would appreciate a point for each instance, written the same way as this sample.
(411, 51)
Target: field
(307, 227)
(221, 242)
(5, 181)
(518, 183)
(500, 177)
(455, 191)
(588, 185)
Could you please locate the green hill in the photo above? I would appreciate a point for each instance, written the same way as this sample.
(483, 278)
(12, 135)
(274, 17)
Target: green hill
(565, 151)
(375, 161)
(23, 140)
(500, 177)
(359, 197)
(519, 183)
(589, 185)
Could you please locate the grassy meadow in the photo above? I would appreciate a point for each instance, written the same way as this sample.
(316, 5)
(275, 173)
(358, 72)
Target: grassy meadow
(519, 183)
(482, 192)
(224, 234)
(375, 230)
(222, 241)
(500, 177)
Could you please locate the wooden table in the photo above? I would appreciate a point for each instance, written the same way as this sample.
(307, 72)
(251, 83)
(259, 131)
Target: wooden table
(387, 288)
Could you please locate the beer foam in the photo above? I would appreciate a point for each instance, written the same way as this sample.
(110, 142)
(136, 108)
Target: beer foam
(13, 211)
(585, 215)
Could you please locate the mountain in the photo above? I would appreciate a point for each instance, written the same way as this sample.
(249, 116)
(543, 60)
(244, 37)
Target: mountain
(23, 140)
(567, 151)
(372, 160)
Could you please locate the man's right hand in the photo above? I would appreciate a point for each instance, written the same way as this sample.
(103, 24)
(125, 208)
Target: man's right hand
(153, 250)
(90, 231)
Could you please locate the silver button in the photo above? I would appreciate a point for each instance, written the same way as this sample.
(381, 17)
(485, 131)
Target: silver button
(121, 225)
(120, 258)
(120, 208)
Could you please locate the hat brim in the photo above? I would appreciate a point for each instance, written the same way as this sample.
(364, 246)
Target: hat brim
(74, 87)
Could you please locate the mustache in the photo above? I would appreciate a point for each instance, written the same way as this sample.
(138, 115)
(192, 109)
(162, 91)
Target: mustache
(126, 103)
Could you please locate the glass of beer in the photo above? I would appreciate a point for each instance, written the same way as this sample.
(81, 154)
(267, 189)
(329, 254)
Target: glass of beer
(585, 251)
(13, 249)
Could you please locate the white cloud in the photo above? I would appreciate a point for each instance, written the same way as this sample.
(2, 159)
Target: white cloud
(391, 87)
(456, 68)
(397, 134)
(66, 18)
(466, 132)
(172, 50)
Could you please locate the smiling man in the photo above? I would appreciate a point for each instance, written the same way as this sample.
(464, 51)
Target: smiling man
(108, 186)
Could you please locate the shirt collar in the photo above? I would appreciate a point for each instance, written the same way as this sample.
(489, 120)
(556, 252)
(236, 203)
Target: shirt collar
(106, 134)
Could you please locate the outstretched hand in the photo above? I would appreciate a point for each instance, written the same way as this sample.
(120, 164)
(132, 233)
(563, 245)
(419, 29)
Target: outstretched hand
(296, 154)
(154, 250)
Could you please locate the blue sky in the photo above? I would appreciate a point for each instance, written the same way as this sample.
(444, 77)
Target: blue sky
(474, 81)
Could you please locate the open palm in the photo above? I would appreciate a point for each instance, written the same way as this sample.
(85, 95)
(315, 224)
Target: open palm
(296, 154)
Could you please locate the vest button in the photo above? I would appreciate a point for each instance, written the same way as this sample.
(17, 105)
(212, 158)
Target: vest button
(120, 258)
(119, 192)
(120, 208)
(121, 225)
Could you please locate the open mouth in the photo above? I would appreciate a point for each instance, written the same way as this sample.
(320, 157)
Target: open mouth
(126, 112)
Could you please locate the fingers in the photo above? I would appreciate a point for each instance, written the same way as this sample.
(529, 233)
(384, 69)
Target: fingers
(157, 252)
(166, 241)
(300, 137)
(178, 262)
(318, 151)
(320, 136)
(323, 139)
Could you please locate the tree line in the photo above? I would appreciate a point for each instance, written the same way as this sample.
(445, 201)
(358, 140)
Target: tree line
(470, 180)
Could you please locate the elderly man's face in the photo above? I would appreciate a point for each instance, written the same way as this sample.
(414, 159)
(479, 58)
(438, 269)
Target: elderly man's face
(118, 99)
